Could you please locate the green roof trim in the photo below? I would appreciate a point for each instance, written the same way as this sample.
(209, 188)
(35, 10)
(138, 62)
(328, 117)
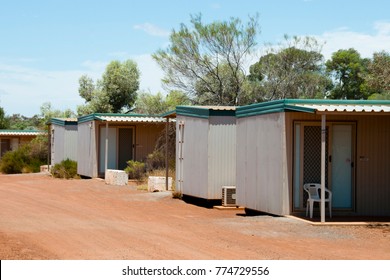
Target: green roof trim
(292, 105)
(62, 122)
(203, 112)
(23, 131)
(275, 106)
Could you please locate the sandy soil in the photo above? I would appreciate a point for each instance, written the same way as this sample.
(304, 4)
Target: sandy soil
(46, 218)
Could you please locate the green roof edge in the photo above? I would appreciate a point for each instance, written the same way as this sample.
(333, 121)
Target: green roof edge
(21, 130)
(292, 105)
(61, 122)
(202, 112)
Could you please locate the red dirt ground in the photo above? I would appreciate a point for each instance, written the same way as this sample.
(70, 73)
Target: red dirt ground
(46, 218)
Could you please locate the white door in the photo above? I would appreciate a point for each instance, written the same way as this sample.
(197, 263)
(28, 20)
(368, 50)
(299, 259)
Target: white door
(342, 166)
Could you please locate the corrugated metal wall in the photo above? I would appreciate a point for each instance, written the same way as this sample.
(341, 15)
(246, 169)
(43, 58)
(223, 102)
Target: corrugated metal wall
(221, 155)
(146, 136)
(261, 164)
(58, 139)
(71, 142)
(87, 149)
(65, 143)
(194, 173)
(373, 166)
(209, 155)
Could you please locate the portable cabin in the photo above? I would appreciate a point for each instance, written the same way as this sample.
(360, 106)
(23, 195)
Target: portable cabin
(63, 139)
(205, 150)
(341, 144)
(11, 140)
(122, 137)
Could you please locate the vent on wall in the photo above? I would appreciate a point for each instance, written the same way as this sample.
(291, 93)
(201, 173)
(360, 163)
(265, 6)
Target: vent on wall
(228, 196)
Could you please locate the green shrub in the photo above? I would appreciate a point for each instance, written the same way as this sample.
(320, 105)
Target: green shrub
(135, 169)
(26, 159)
(66, 169)
(13, 162)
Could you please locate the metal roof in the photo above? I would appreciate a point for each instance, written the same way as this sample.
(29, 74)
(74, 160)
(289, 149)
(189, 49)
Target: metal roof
(21, 132)
(129, 118)
(348, 108)
(315, 106)
(139, 119)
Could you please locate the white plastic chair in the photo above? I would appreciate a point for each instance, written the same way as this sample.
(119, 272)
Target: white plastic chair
(313, 190)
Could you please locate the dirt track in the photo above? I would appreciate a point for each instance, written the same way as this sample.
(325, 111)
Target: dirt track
(46, 218)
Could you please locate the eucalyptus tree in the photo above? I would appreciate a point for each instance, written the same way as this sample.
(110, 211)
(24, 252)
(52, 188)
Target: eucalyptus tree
(115, 92)
(348, 70)
(378, 76)
(294, 69)
(209, 59)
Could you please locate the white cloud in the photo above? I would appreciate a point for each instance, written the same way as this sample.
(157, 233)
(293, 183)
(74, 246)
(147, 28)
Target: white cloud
(151, 74)
(382, 27)
(152, 29)
(366, 44)
(23, 90)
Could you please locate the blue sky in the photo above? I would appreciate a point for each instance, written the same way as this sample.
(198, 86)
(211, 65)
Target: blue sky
(45, 46)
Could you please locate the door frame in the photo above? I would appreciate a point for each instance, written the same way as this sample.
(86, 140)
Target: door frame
(298, 164)
(116, 127)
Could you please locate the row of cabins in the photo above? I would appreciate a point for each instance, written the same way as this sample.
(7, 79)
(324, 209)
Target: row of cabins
(268, 151)
(91, 139)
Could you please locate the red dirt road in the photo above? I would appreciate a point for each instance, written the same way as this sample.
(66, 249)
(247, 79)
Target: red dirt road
(46, 218)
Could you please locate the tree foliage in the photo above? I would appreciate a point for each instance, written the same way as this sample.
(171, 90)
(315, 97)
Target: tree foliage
(295, 70)
(4, 123)
(47, 113)
(153, 104)
(120, 82)
(378, 77)
(116, 91)
(20, 122)
(208, 59)
(348, 70)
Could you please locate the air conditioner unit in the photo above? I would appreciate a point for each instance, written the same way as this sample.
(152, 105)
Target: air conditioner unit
(228, 196)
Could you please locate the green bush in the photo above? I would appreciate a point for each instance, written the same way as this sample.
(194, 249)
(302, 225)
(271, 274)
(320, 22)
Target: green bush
(27, 158)
(13, 162)
(66, 169)
(135, 169)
